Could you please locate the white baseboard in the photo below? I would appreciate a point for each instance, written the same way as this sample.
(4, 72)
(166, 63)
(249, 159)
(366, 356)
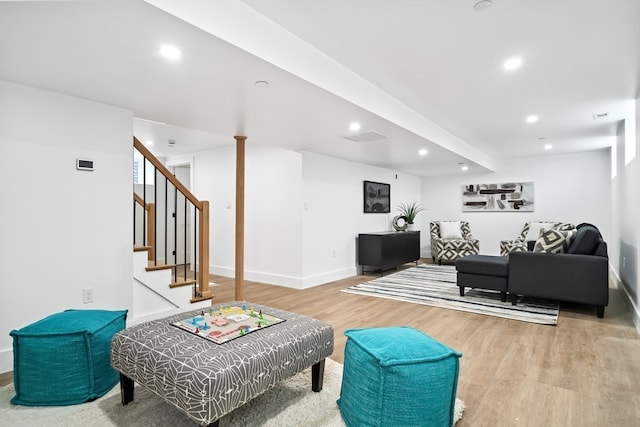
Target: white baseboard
(6, 360)
(327, 277)
(634, 307)
(617, 284)
(288, 281)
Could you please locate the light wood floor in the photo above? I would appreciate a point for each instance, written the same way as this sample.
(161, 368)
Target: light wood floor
(583, 372)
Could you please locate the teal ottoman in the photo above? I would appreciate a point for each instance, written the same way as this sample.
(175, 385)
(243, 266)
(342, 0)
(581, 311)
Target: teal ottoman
(64, 359)
(397, 376)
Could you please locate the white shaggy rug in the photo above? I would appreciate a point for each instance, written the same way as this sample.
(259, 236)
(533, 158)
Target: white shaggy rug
(290, 404)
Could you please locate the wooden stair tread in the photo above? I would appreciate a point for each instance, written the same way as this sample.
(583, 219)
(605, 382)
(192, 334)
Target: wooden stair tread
(152, 267)
(141, 248)
(207, 296)
(198, 299)
(178, 283)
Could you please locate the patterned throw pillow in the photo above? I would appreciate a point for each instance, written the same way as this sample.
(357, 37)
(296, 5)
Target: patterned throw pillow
(565, 227)
(554, 241)
(535, 228)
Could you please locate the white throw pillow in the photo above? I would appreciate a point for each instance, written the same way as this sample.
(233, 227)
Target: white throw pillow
(535, 228)
(450, 230)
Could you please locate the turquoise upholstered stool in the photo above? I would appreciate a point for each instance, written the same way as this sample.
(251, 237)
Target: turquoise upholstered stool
(64, 359)
(397, 376)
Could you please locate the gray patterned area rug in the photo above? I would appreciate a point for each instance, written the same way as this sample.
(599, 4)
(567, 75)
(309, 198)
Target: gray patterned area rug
(435, 285)
(289, 404)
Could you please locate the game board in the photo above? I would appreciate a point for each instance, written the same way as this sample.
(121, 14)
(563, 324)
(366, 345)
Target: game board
(226, 323)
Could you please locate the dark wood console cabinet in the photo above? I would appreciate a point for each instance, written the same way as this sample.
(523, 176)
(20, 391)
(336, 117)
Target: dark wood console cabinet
(389, 249)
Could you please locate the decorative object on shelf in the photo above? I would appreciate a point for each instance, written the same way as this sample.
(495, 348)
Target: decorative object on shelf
(377, 197)
(506, 197)
(410, 211)
(400, 223)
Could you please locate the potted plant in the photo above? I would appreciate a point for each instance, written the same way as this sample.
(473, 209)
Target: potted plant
(410, 210)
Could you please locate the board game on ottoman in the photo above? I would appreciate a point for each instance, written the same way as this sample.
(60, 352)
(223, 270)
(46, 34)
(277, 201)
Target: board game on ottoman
(208, 363)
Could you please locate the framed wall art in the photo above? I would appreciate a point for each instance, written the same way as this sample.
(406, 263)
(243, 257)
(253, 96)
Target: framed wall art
(507, 197)
(377, 197)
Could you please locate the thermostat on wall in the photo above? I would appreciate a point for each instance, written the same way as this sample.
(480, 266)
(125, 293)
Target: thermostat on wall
(84, 164)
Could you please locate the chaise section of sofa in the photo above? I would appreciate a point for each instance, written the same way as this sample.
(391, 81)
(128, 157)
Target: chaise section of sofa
(580, 275)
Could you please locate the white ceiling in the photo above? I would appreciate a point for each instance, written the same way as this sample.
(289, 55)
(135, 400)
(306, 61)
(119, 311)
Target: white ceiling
(423, 73)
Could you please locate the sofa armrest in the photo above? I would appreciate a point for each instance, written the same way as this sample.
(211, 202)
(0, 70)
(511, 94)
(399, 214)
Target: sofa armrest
(563, 277)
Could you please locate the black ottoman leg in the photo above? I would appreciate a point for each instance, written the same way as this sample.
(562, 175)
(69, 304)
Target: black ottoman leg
(317, 375)
(514, 299)
(126, 389)
(600, 311)
(461, 291)
(503, 296)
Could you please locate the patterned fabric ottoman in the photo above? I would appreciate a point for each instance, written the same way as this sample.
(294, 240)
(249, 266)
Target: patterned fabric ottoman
(206, 380)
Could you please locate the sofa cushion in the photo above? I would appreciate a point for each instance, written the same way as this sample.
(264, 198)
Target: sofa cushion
(554, 241)
(450, 230)
(486, 265)
(586, 241)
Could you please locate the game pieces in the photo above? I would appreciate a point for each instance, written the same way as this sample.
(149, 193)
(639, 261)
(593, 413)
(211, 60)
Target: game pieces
(227, 323)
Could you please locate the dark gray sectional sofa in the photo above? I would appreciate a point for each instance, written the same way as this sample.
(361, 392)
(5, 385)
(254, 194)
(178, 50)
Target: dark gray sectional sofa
(580, 275)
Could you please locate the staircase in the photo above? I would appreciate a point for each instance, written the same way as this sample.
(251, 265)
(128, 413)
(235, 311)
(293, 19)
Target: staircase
(170, 242)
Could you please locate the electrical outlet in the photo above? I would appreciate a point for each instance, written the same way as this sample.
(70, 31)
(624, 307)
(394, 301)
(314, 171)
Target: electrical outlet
(87, 295)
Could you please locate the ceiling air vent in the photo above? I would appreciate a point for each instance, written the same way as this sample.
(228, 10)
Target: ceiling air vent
(371, 135)
(600, 116)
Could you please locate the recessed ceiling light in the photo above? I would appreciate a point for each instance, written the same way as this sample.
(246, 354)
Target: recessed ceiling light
(170, 52)
(482, 5)
(354, 126)
(149, 143)
(532, 119)
(423, 152)
(548, 146)
(513, 63)
(463, 166)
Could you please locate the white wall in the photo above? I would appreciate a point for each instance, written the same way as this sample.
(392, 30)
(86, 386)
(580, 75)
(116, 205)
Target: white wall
(61, 230)
(302, 212)
(626, 207)
(333, 213)
(214, 180)
(272, 211)
(568, 188)
(273, 223)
